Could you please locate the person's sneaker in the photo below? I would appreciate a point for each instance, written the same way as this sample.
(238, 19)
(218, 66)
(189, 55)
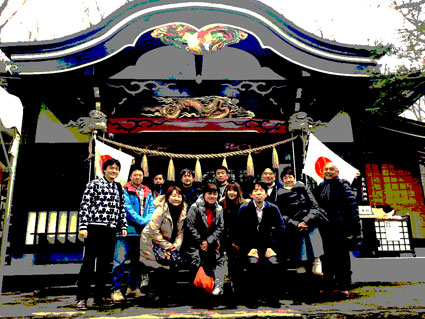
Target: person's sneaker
(117, 296)
(301, 270)
(340, 294)
(217, 291)
(102, 301)
(317, 267)
(144, 280)
(252, 304)
(81, 305)
(134, 293)
(273, 303)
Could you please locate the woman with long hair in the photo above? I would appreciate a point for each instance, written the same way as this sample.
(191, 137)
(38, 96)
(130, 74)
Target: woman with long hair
(231, 202)
(166, 231)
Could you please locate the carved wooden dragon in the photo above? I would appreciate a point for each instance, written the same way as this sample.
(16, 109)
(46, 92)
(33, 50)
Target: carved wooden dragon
(212, 107)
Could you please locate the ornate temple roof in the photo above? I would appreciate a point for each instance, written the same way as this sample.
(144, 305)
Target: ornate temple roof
(129, 31)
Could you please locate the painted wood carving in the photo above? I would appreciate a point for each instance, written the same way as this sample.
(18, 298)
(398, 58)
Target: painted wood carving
(227, 106)
(210, 107)
(207, 39)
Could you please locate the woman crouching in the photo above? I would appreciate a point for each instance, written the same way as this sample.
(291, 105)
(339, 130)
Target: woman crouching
(164, 236)
(203, 235)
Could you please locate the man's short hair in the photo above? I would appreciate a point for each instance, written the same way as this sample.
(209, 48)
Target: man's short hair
(186, 170)
(133, 169)
(109, 162)
(272, 169)
(286, 171)
(251, 186)
(223, 168)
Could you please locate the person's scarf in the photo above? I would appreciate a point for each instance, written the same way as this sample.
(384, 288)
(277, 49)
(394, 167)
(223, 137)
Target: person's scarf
(328, 190)
(209, 210)
(175, 212)
(325, 193)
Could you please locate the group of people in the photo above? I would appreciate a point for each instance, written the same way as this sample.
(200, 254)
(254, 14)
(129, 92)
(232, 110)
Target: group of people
(249, 241)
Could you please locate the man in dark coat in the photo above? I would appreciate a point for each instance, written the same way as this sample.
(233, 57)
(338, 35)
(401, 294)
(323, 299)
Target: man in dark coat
(190, 190)
(273, 186)
(341, 233)
(259, 233)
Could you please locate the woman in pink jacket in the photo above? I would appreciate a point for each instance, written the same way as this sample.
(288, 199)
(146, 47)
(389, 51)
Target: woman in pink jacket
(165, 230)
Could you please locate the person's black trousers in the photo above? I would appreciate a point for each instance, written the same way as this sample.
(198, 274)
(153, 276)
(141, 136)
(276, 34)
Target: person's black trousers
(97, 262)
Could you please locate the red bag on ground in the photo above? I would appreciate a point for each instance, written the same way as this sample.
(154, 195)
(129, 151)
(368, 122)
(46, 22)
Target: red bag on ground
(203, 281)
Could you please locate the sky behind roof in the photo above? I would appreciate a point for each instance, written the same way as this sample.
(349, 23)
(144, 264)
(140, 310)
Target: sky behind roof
(359, 22)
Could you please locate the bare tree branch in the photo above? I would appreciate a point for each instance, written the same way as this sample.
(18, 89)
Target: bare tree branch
(13, 14)
(98, 9)
(3, 6)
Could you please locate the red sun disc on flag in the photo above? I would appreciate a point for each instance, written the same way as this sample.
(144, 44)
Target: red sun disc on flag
(320, 165)
(103, 159)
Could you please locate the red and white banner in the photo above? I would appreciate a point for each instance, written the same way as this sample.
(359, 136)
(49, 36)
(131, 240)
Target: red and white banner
(318, 155)
(104, 152)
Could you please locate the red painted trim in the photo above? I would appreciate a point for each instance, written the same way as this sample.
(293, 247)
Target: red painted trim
(139, 125)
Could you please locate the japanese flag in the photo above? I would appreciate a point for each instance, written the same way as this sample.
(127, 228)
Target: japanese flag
(318, 155)
(104, 152)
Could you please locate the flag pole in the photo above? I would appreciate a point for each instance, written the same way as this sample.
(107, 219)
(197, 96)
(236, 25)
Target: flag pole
(91, 155)
(9, 196)
(293, 155)
(305, 144)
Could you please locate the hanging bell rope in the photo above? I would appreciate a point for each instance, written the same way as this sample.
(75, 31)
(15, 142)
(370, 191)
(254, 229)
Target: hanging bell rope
(195, 156)
(145, 166)
(275, 159)
(250, 166)
(198, 171)
(171, 173)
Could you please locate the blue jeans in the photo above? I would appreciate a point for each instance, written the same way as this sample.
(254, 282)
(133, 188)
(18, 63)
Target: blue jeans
(126, 248)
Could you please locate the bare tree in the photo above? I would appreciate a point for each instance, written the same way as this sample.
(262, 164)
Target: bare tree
(401, 87)
(3, 8)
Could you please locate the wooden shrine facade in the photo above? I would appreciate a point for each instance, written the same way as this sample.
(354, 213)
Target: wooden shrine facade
(166, 74)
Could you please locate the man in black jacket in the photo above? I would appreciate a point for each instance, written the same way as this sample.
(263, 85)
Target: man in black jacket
(101, 215)
(273, 186)
(341, 233)
(190, 190)
(259, 233)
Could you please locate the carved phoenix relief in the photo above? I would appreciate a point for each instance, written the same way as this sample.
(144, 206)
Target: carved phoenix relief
(206, 40)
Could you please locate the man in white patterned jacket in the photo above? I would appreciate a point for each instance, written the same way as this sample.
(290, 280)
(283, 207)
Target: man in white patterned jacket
(101, 214)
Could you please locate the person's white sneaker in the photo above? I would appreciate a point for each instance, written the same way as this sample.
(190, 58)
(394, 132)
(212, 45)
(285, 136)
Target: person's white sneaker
(317, 267)
(217, 291)
(117, 296)
(134, 293)
(144, 280)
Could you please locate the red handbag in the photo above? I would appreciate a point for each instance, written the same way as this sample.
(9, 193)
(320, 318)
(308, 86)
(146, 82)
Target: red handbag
(202, 280)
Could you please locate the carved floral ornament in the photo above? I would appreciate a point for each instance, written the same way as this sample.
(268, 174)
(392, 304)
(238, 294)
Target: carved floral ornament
(206, 40)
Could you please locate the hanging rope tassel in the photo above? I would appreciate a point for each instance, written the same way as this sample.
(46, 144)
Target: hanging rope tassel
(198, 171)
(224, 163)
(250, 166)
(171, 171)
(145, 166)
(275, 159)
